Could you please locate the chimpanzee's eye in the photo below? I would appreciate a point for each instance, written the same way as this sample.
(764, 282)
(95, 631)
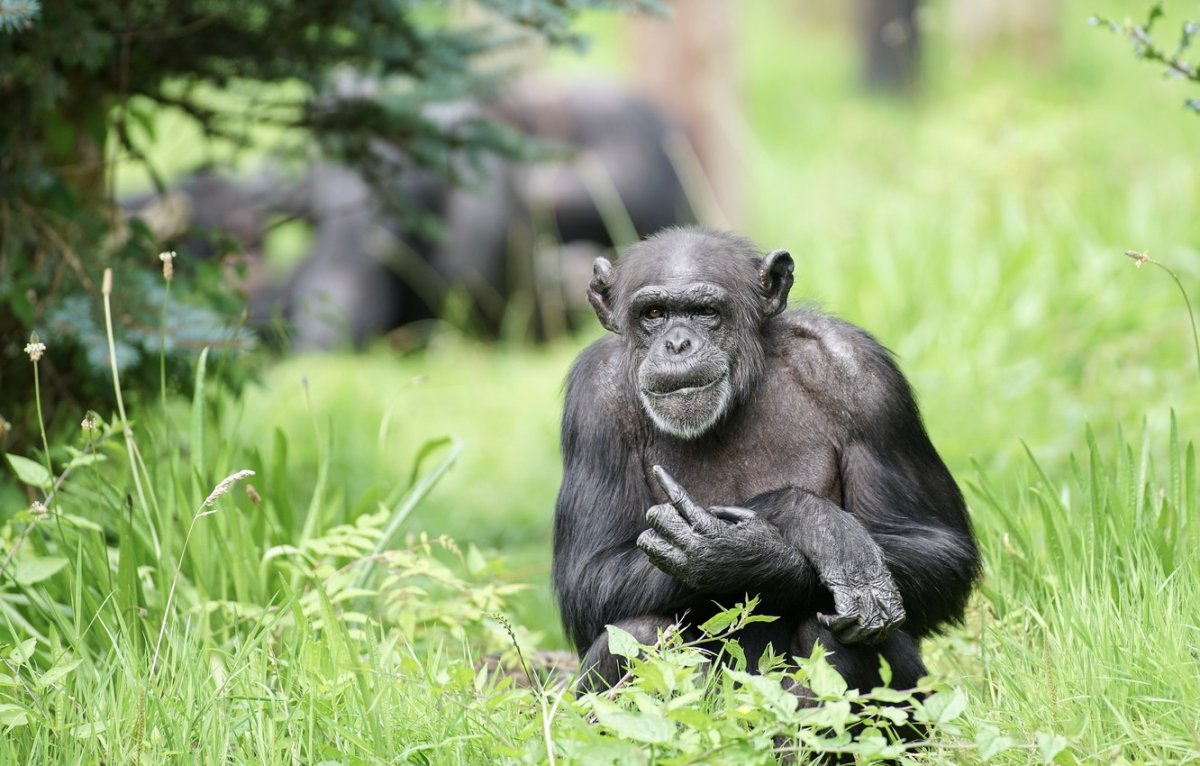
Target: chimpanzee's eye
(654, 312)
(707, 311)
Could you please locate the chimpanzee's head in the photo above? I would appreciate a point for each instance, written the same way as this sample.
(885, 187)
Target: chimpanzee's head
(691, 304)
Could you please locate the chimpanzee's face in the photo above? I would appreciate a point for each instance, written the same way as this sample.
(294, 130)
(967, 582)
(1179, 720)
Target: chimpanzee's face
(690, 314)
(691, 304)
(682, 335)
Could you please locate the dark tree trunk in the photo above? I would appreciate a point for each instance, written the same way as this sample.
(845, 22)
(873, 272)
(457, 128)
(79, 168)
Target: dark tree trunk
(888, 31)
(687, 64)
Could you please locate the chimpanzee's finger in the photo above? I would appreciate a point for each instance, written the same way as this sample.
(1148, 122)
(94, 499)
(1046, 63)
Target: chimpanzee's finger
(732, 514)
(849, 629)
(667, 522)
(661, 553)
(893, 612)
(691, 512)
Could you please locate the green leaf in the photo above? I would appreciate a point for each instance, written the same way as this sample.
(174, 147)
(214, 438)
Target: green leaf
(657, 676)
(607, 752)
(621, 643)
(720, 621)
(86, 458)
(476, 563)
(12, 716)
(944, 707)
(128, 590)
(30, 472)
(22, 651)
(990, 742)
(734, 650)
(648, 728)
(34, 569)
(1050, 746)
(57, 673)
(89, 730)
(692, 717)
(823, 680)
(833, 715)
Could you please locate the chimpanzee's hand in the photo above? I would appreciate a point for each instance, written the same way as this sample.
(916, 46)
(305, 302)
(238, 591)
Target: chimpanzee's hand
(850, 565)
(712, 551)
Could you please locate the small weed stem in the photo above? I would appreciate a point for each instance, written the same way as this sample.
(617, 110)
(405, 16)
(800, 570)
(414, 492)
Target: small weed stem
(206, 509)
(1139, 259)
(37, 398)
(112, 360)
(162, 351)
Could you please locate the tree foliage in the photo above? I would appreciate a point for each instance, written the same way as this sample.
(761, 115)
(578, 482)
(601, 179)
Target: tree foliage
(82, 83)
(1176, 62)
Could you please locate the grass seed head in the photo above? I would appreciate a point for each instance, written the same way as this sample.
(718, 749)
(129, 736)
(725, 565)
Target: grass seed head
(225, 484)
(1138, 258)
(168, 264)
(35, 348)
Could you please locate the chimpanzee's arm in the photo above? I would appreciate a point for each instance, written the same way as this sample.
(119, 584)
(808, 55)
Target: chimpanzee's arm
(895, 483)
(840, 556)
(782, 545)
(900, 490)
(599, 574)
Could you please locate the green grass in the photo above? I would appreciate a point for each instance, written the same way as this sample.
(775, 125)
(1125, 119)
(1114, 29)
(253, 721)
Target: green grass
(979, 233)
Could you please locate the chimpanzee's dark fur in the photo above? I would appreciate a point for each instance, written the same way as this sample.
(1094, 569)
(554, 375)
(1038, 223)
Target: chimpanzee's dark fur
(847, 524)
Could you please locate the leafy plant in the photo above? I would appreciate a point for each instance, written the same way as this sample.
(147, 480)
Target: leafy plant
(84, 85)
(694, 702)
(1141, 35)
(148, 610)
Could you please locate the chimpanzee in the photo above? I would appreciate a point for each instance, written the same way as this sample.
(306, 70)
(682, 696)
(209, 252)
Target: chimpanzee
(619, 140)
(715, 447)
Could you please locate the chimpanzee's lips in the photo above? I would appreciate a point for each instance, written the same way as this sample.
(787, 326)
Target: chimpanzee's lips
(685, 391)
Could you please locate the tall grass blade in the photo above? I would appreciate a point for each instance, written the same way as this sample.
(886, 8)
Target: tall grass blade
(420, 486)
(198, 426)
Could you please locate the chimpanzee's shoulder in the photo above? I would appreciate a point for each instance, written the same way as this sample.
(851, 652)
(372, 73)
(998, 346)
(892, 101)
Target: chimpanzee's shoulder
(840, 358)
(601, 359)
(809, 332)
(597, 373)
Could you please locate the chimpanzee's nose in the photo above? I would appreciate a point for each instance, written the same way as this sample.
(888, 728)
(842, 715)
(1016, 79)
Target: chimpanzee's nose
(678, 342)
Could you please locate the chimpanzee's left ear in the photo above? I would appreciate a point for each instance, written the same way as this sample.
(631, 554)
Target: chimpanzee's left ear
(775, 277)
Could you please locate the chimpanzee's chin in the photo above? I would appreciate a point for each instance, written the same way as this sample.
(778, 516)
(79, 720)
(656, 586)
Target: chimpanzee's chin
(688, 412)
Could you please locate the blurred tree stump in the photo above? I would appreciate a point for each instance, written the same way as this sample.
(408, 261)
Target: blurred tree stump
(687, 64)
(888, 33)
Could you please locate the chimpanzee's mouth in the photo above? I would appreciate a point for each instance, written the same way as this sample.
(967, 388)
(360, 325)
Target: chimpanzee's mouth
(686, 390)
(689, 411)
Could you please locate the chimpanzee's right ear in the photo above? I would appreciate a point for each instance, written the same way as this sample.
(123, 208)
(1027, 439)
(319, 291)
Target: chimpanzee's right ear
(600, 294)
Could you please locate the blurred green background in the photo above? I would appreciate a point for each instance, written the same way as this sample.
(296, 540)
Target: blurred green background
(978, 226)
(978, 231)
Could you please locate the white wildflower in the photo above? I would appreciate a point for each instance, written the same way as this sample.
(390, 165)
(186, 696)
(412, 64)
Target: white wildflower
(168, 264)
(35, 348)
